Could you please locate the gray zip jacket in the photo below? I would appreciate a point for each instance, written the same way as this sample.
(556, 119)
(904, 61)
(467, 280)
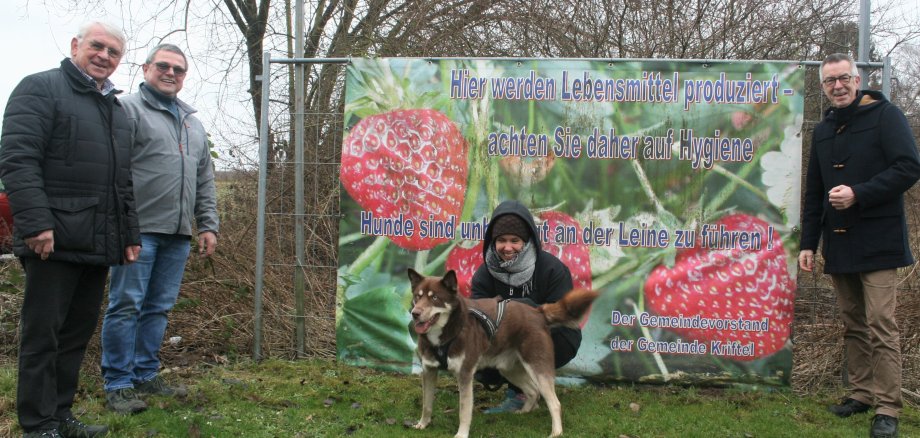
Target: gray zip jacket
(171, 166)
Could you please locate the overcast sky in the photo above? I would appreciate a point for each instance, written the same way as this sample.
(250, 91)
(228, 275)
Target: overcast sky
(36, 42)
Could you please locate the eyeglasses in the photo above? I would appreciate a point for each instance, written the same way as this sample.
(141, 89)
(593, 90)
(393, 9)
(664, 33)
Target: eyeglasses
(831, 80)
(112, 52)
(164, 67)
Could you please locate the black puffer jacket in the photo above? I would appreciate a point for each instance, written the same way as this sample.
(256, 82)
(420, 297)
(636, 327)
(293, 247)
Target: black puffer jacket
(873, 151)
(551, 278)
(65, 161)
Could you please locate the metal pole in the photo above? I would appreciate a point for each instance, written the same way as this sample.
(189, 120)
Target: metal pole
(886, 78)
(298, 180)
(265, 77)
(863, 49)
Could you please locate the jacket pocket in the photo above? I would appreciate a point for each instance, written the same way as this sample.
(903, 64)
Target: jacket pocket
(74, 222)
(882, 235)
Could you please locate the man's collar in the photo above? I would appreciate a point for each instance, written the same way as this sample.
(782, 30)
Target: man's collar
(151, 95)
(107, 86)
(157, 95)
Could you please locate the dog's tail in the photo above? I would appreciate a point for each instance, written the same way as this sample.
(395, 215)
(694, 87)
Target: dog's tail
(570, 309)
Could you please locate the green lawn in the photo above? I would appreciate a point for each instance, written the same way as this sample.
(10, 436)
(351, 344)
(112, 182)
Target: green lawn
(320, 398)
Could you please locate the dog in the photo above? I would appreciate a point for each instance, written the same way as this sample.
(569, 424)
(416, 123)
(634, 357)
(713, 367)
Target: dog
(462, 335)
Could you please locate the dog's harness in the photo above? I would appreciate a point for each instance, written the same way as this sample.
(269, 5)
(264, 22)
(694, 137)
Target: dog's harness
(490, 326)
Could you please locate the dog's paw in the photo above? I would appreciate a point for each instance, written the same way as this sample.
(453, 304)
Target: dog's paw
(421, 424)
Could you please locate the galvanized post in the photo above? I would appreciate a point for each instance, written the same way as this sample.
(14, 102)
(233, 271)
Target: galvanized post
(863, 49)
(886, 77)
(260, 224)
(298, 184)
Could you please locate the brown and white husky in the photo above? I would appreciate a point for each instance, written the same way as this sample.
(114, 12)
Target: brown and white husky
(462, 335)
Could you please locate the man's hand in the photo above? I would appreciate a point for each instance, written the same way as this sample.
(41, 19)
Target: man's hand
(131, 253)
(42, 244)
(207, 243)
(807, 260)
(841, 197)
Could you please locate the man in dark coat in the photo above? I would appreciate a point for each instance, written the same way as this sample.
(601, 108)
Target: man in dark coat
(65, 162)
(516, 267)
(863, 159)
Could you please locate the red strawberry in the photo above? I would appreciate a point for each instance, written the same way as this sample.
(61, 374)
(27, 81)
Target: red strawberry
(410, 162)
(726, 285)
(465, 262)
(577, 256)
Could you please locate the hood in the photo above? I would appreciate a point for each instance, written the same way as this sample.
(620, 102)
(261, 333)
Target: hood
(517, 209)
(865, 99)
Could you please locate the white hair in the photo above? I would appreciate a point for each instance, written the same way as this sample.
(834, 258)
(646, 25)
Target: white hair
(109, 29)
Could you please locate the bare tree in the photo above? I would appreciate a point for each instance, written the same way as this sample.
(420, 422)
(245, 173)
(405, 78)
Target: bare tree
(251, 19)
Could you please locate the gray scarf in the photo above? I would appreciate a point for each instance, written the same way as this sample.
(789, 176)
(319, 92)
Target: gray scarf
(514, 272)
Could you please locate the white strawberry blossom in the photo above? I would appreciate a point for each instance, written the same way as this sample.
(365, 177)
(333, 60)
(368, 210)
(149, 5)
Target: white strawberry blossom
(782, 171)
(481, 109)
(603, 257)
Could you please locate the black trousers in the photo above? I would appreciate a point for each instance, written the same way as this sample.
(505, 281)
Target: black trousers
(60, 310)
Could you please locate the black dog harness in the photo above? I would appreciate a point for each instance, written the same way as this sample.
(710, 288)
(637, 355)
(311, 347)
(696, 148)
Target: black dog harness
(490, 326)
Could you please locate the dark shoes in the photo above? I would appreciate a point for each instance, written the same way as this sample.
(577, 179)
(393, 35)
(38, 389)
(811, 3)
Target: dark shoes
(158, 386)
(70, 428)
(49, 433)
(884, 426)
(124, 401)
(848, 407)
(73, 428)
(490, 378)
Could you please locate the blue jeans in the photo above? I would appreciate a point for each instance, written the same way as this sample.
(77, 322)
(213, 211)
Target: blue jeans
(140, 297)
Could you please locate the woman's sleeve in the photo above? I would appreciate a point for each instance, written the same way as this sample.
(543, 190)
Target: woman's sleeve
(560, 282)
(482, 284)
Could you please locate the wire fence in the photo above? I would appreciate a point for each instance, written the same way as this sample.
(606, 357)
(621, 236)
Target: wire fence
(817, 330)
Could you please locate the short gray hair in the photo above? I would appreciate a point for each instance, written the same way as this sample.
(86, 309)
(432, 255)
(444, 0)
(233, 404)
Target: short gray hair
(110, 29)
(168, 48)
(835, 58)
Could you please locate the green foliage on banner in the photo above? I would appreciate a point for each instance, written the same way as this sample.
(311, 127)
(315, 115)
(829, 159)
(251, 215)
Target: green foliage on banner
(372, 329)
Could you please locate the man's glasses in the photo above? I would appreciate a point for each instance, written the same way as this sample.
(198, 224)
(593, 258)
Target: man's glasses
(112, 52)
(164, 67)
(831, 80)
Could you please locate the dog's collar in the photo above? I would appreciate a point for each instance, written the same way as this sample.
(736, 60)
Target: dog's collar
(490, 326)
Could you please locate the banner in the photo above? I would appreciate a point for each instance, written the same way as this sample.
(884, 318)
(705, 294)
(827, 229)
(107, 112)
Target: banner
(672, 188)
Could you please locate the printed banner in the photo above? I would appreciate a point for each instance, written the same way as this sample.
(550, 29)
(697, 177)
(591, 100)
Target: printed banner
(672, 188)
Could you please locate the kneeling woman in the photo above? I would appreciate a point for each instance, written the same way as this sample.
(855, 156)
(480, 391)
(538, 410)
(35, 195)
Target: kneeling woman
(516, 267)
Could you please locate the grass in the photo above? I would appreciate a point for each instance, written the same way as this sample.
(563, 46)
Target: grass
(320, 398)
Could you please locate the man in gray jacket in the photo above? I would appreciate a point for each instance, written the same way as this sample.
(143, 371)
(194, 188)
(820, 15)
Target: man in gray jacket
(173, 185)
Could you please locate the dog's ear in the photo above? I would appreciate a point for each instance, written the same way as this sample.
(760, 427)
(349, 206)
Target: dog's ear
(450, 281)
(414, 278)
